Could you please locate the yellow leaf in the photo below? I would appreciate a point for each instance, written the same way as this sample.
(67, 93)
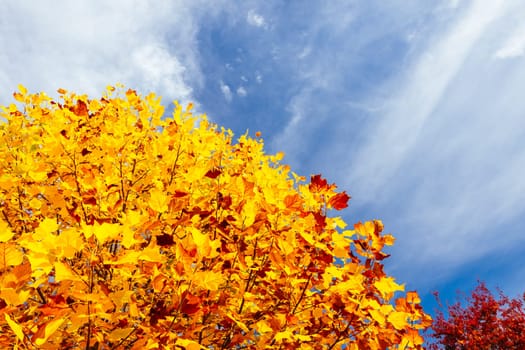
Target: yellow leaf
(5, 232)
(70, 241)
(151, 254)
(398, 319)
(22, 89)
(46, 227)
(158, 201)
(201, 241)
(387, 287)
(389, 239)
(189, 344)
(413, 298)
(354, 284)
(50, 328)
(240, 324)
(284, 335)
(208, 279)
(128, 237)
(63, 272)
(205, 246)
(35, 203)
(15, 327)
(378, 316)
(303, 337)
(411, 339)
(119, 333)
(106, 232)
(263, 327)
(248, 213)
(10, 255)
(12, 297)
(37, 176)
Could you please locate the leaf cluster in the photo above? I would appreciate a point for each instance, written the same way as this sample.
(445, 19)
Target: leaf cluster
(124, 229)
(484, 322)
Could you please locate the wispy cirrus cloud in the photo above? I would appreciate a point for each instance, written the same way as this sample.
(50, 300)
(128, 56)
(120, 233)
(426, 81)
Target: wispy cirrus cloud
(436, 147)
(86, 45)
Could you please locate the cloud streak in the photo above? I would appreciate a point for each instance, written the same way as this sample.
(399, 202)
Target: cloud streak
(86, 45)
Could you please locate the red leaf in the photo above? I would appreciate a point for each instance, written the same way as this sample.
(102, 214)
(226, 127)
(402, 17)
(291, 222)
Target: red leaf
(165, 240)
(213, 173)
(318, 184)
(80, 109)
(339, 201)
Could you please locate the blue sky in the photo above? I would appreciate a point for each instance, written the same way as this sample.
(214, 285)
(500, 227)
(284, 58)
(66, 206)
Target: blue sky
(412, 107)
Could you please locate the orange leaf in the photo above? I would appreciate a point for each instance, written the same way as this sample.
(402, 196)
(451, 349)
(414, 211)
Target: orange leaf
(46, 330)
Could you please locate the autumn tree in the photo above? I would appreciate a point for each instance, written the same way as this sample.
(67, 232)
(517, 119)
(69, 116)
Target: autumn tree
(124, 229)
(484, 323)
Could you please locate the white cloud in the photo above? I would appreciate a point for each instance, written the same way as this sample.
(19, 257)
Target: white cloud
(86, 45)
(226, 91)
(241, 91)
(255, 19)
(426, 83)
(437, 149)
(258, 77)
(514, 45)
(159, 69)
(304, 53)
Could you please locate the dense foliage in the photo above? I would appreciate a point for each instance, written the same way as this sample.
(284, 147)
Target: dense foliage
(122, 229)
(484, 323)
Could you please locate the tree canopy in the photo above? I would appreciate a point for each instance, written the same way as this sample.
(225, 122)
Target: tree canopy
(121, 228)
(484, 322)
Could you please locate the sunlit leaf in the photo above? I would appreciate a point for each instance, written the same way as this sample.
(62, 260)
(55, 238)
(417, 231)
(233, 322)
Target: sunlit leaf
(208, 279)
(15, 327)
(5, 232)
(47, 330)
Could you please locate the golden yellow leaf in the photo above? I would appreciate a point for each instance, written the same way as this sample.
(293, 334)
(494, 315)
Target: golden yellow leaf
(128, 237)
(413, 298)
(46, 227)
(303, 338)
(240, 324)
(10, 255)
(283, 335)
(106, 232)
(398, 319)
(5, 232)
(389, 239)
(188, 344)
(22, 89)
(63, 272)
(387, 287)
(158, 201)
(13, 297)
(37, 176)
(354, 284)
(119, 333)
(263, 327)
(208, 279)
(378, 316)
(49, 328)
(15, 327)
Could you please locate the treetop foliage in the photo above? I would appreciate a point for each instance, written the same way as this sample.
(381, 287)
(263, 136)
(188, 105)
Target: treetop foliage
(122, 229)
(485, 322)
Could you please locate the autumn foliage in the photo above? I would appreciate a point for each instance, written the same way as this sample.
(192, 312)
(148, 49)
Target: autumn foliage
(484, 323)
(123, 229)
